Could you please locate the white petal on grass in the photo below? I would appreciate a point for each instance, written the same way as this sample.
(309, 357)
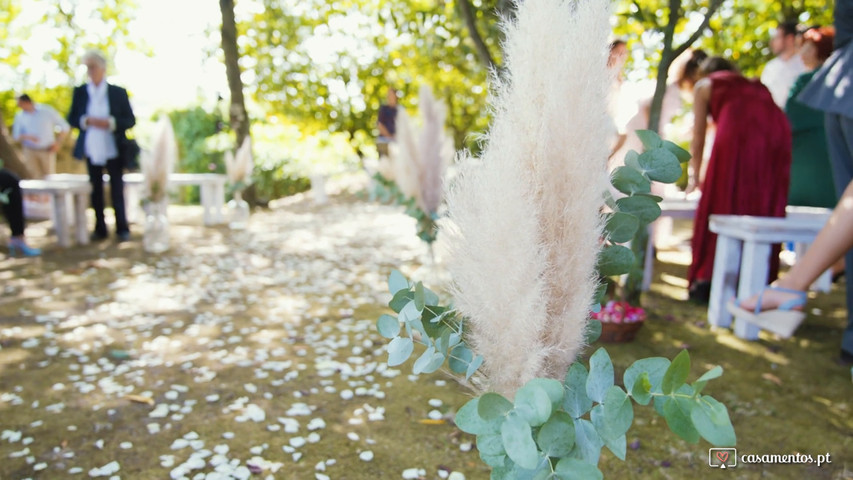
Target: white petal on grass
(366, 456)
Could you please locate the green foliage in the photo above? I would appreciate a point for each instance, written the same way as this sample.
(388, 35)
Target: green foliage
(420, 319)
(386, 191)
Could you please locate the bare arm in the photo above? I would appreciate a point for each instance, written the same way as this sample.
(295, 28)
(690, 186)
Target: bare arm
(383, 130)
(702, 96)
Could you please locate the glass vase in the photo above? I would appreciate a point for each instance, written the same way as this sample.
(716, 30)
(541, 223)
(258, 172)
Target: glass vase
(156, 236)
(238, 212)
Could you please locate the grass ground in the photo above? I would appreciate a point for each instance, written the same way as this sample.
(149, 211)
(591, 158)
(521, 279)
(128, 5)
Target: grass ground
(253, 354)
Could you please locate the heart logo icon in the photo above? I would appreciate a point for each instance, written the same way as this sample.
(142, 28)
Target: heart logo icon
(722, 456)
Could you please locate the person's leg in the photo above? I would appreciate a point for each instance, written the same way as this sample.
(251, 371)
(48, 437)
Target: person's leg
(14, 210)
(114, 168)
(841, 156)
(96, 178)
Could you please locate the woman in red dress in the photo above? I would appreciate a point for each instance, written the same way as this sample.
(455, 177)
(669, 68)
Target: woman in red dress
(749, 169)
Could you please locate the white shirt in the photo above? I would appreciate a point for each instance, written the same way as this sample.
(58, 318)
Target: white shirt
(42, 123)
(779, 76)
(100, 144)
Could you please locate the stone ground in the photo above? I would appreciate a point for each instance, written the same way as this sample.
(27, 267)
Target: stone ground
(253, 354)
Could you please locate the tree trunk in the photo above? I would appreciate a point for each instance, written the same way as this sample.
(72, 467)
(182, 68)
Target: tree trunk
(237, 110)
(471, 22)
(8, 154)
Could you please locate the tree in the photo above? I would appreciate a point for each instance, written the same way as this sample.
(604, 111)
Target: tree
(237, 111)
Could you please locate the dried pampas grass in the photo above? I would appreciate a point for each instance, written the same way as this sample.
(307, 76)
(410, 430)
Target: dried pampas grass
(157, 163)
(525, 221)
(239, 167)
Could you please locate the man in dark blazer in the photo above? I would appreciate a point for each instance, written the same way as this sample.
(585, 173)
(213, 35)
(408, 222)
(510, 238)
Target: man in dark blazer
(103, 114)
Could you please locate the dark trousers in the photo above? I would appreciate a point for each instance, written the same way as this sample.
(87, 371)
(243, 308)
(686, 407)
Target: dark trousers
(14, 210)
(839, 136)
(96, 178)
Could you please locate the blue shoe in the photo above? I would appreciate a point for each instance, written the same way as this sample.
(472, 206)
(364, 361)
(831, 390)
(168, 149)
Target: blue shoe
(782, 320)
(17, 245)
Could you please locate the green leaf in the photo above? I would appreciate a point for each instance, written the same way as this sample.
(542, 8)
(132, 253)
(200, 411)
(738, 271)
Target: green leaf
(500, 472)
(397, 281)
(621, 227)
(593, 331)
(641, 390)
(533, 404)
(676, 374)
(399, 350)
(587, 441)
(419, 296)
(557, 435)
(410, 312)
(630, 180)
(655, 367)
(632, 160)
(388, 326)
(614, 441)
(495, 461)
(576, 401)
(473, 366)
(645, 208)
(618, 412)
(518, 442)
(430, 298)
(553, 387)
(469, 421)
(615, 260)
(573, 469)
(490, 444)
(460, 358)
(428, 362)
(711, 420)
(678, 414)
(661, 165)
(493, 406)
(600, 375)
(400, 300)
(681, 154)
(650, 139)
(711, 374)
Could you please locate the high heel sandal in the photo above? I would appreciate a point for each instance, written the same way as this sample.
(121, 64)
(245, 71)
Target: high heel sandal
(782, 320)
(16, 245)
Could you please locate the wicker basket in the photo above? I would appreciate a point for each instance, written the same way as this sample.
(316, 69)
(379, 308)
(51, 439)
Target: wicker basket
(619, 332)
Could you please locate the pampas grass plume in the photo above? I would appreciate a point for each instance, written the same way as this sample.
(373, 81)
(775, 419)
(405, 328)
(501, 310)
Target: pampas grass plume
(239, 167)
(525, 219)
(157, 162)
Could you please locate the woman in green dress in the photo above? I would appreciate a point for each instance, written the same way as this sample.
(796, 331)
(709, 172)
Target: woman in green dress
(811, 174)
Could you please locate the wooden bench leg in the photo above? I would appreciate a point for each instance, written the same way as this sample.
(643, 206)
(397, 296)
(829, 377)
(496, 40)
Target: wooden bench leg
(724, 279)
(754, 269)
(81, 201)
(60, 219)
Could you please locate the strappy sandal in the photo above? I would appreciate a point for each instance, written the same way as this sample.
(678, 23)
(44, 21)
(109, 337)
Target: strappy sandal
(782, 320)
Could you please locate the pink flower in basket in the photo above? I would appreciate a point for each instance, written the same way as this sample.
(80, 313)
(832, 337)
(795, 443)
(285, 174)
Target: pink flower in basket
(619, 312)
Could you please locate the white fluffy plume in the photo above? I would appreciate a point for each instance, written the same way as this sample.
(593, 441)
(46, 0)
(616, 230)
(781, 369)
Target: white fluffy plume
(404, 156)
(239, 167)
(157, 162)
(525, 216)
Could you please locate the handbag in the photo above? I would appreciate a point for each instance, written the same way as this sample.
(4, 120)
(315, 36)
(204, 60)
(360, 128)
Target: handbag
(128, 152)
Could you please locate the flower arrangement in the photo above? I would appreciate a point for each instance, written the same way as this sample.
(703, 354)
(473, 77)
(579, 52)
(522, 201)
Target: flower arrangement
(239, 166)
(619, 312)
(157, 162)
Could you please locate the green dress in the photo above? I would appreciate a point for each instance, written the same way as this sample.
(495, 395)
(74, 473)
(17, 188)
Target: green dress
(811, 174)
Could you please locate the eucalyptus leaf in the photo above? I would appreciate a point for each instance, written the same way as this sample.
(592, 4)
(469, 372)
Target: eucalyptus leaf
(655, 367)
(397, 281)
(680, 153)
(573, 469)
(641, 390)
(630, 180)
(473, 366)
(660, 165)
(419, 296)
(600, 375)
(678, 414)
(399, 350)
(632, 160)
(490, 444)
(552, 387)
(621, 227)
(493, 406)
(618, 411)
(587, 441)
(615, 260)
(645, 208)
(400, 300)
(576, 402)
(410, 312)
(495, 461)
(711, 420)
(557, 436)
(676, 374)
(533, 404)
(388, 326)
(430, 298)
(711, 374)
(460, 358)
(469, 421)
(593, 330)
(650, 139)
(518, 442)
(428, 362)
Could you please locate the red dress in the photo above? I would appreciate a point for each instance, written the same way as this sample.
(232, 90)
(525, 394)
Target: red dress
(749, 169)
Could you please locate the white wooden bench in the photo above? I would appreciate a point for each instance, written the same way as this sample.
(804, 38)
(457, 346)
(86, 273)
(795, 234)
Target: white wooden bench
(677, 208)
(212, 190)
(63, 193)
(741, 261)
